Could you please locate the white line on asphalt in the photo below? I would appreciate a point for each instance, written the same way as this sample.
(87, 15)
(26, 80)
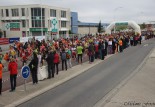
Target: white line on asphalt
(146, 45)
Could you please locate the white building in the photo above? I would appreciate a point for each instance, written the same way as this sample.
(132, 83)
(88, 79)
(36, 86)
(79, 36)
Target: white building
(25, 20)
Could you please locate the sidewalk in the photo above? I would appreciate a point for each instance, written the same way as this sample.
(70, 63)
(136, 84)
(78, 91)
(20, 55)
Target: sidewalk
(12, 99)
(139, 91)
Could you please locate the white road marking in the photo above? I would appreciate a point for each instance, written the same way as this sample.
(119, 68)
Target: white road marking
(146, 45)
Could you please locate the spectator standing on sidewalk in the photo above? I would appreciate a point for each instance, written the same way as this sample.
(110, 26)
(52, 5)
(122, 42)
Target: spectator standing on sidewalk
(131, 41)
(1, 57)
(56, 62)
(34, 68)
(64, 59)
(91, 52)
(68, 56)
(50, 64)
(13, 68)
(110, 46)
(140, 39)
(1, 70)
(102, 50)
(79, 52)
(120, 45)
(73, 49)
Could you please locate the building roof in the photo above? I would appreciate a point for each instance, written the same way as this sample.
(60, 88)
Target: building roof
(91, 24)
(31, 5)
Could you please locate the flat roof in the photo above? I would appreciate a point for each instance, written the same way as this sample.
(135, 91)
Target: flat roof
(92, 24)
(31, 5)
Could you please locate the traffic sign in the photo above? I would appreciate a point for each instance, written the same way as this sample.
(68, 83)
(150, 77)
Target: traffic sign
(25, 71)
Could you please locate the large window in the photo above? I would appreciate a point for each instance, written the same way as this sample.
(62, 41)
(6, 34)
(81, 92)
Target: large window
(7, 12)
(63, 23)
(15, 12)
(2, 14)
(23, 11)
(23, 23)
(52, 13)
(37, 16)
(63, 14)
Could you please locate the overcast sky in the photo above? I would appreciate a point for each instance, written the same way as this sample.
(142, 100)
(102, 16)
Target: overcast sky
(104, 10)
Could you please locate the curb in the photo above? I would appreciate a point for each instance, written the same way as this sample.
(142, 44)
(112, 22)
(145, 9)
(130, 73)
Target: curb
(27, 98)
(113, 92)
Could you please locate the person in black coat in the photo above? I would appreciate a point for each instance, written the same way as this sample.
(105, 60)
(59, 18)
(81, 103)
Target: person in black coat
(99, 48)
(113, 46)
(106, 47)
(103, 50)
(34, 68)
(50, 64)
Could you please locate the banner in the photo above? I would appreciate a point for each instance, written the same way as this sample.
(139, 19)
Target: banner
(11, 40)
(39, 38)
(4, 41)
(54, 23)
(15, 26)
(24, 39)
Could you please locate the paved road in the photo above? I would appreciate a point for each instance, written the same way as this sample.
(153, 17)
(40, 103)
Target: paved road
(88, 88)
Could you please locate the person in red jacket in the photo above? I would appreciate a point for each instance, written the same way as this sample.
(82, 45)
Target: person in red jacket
(56, 61)
(12, 67)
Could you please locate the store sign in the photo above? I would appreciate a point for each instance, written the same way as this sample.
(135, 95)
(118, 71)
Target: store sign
(121, 23)
(12, 40)
(12, 26)
(54, 23)
(38, 29)
(4, 41)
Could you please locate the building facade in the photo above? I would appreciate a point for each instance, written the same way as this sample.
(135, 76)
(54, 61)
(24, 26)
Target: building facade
(74, 22)
(90, 28)
(78, 27)
(34, 20)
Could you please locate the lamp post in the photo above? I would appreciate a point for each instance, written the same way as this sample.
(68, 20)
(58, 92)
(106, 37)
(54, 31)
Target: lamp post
(114, 17)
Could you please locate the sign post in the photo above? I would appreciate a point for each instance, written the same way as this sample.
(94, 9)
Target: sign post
(25, 71)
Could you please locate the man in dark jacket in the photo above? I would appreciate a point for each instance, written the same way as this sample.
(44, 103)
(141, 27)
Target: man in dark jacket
(106, 47)
(50, 64)
(34, 68)
(64, 59)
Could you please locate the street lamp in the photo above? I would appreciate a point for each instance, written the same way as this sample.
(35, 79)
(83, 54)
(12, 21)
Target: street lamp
(114, 17)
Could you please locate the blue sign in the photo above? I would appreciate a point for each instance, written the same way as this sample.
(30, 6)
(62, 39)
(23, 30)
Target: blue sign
(11, 40)
(25, 71)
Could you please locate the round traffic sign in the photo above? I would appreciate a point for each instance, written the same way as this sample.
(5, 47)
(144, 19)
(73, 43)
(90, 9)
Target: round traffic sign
(25, 71)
